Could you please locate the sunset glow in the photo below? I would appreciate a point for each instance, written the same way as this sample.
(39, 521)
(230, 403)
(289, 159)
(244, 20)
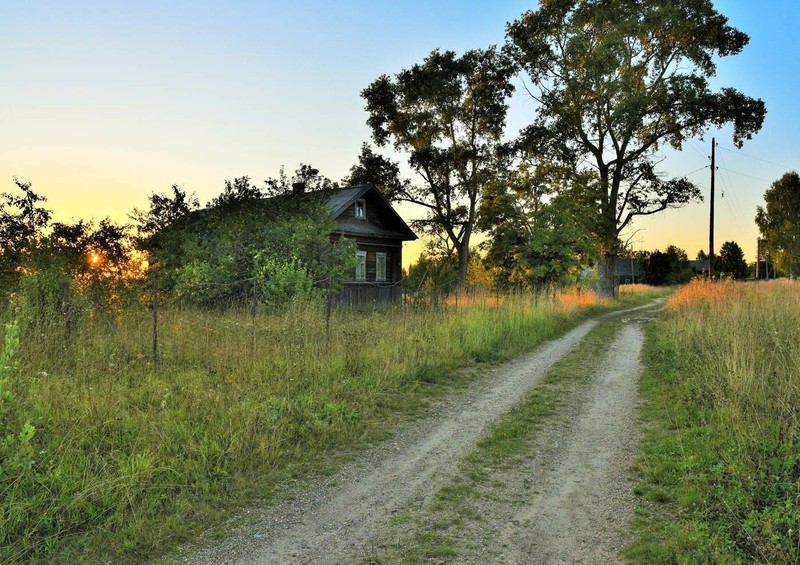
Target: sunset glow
(126, 99)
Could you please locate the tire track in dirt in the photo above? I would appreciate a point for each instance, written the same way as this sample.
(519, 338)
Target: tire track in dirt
(339, 519)
(586, 491)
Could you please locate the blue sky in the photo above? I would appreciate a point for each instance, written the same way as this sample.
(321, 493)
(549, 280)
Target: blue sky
(103, 103)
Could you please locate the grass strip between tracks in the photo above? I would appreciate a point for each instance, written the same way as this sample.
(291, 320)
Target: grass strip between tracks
(434, 528)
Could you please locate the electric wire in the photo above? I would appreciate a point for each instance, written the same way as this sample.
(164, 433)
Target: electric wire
(738, 152)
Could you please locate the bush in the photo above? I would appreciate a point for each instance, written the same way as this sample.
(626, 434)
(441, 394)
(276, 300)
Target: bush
(282, 281)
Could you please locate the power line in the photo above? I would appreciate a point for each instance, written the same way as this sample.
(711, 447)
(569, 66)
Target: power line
(732, 201)
(694, 145)
(695, 171)
(736, 152)
(746, 175)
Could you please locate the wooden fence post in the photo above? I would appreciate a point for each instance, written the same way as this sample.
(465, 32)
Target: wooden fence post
(66, 309)
(328, 309)
(254, 307)
(155, 319)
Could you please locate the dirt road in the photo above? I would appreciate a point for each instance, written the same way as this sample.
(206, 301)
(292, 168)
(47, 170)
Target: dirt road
(582, 470)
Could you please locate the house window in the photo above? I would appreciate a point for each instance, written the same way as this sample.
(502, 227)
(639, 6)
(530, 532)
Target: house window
(361, 209)
(380, 267)
(361, 266)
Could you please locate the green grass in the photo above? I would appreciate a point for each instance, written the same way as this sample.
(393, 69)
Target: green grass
(720, 465)
(508, 440)
(131, 458)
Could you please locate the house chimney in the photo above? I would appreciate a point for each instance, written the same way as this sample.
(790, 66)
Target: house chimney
(298, 187)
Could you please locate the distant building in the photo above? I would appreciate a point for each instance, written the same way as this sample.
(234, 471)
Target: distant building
(700, 267)
(629, 271)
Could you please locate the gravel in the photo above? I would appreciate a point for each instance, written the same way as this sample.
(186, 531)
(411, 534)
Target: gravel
(583, 473)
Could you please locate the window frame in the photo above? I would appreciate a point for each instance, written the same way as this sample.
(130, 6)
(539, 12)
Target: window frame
(361, 266)
(381, 276)
(360, 204)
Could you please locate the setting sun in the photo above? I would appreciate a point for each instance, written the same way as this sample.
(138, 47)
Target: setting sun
(94, 259)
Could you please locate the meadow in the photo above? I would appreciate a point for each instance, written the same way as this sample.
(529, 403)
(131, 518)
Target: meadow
(720, 463)
(108, 455)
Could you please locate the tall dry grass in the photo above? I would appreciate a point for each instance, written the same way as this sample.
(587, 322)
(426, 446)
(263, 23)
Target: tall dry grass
(724, 398)
(132, 456)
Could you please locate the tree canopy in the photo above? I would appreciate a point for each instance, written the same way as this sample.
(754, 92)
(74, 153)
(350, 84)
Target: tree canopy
(731, 261)
(779, 222)
(536, 227)
(617, 79)
(448, 114)
(22, 219)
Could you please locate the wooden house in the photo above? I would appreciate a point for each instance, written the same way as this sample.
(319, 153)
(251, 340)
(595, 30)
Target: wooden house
(363, 214)
(628, 271)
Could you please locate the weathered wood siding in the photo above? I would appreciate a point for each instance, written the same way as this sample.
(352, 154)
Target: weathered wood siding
(361, 294)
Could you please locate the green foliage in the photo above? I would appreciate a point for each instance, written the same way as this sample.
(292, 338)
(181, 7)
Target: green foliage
(616, 80)
(165, 211)
(16, 441)
(432, 276)
(778, 222)
(376, 170)
(719, 466)
(129, 459)
(731, 261)
(670, 267)
(208, 257)
(282, 281)
(448, 115)
(22, 220)
(539, 229)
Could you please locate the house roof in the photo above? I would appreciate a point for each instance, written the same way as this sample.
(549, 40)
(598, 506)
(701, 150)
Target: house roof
(628, 267)
(395, 228)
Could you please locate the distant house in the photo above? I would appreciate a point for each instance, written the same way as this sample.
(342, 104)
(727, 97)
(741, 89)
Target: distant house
(700, 267)
(363, 214)
(629, 271)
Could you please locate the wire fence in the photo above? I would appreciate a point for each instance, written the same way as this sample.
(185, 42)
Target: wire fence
(151, 322)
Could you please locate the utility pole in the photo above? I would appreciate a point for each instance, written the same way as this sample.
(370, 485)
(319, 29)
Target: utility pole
(711, 223)
(758, 258)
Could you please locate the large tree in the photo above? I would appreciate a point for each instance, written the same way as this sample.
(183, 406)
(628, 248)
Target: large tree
(779, 222)
(617, 79)
(537, 228)
(731, 261)
(22, 220)
(448, 114)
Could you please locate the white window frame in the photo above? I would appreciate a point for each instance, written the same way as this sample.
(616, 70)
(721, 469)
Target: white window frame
(361, 266)
(360, 211)
(380, 270)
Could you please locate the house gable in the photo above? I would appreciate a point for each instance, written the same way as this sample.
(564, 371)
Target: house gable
(379, 220)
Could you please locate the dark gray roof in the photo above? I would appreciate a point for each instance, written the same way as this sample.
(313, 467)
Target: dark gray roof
(343, 198)
(628, 268)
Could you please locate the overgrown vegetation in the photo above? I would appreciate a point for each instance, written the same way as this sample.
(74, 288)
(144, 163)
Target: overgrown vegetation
(129, 457)
(720, 466)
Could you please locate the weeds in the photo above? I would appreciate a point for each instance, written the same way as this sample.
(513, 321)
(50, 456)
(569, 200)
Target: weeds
(132, 458)
(721, 463)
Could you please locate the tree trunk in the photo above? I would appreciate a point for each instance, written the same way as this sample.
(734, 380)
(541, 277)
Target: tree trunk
(608, 276)
(463, 264)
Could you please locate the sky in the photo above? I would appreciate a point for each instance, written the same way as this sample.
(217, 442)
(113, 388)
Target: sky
(104, 103)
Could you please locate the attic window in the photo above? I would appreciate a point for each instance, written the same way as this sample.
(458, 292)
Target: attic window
(361, 209)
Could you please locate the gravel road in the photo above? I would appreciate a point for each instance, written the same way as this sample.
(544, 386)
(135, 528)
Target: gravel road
(340, 519)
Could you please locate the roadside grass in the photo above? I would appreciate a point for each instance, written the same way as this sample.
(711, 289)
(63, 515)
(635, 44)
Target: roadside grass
(433, 529)
(127, 459)
(720, 464)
